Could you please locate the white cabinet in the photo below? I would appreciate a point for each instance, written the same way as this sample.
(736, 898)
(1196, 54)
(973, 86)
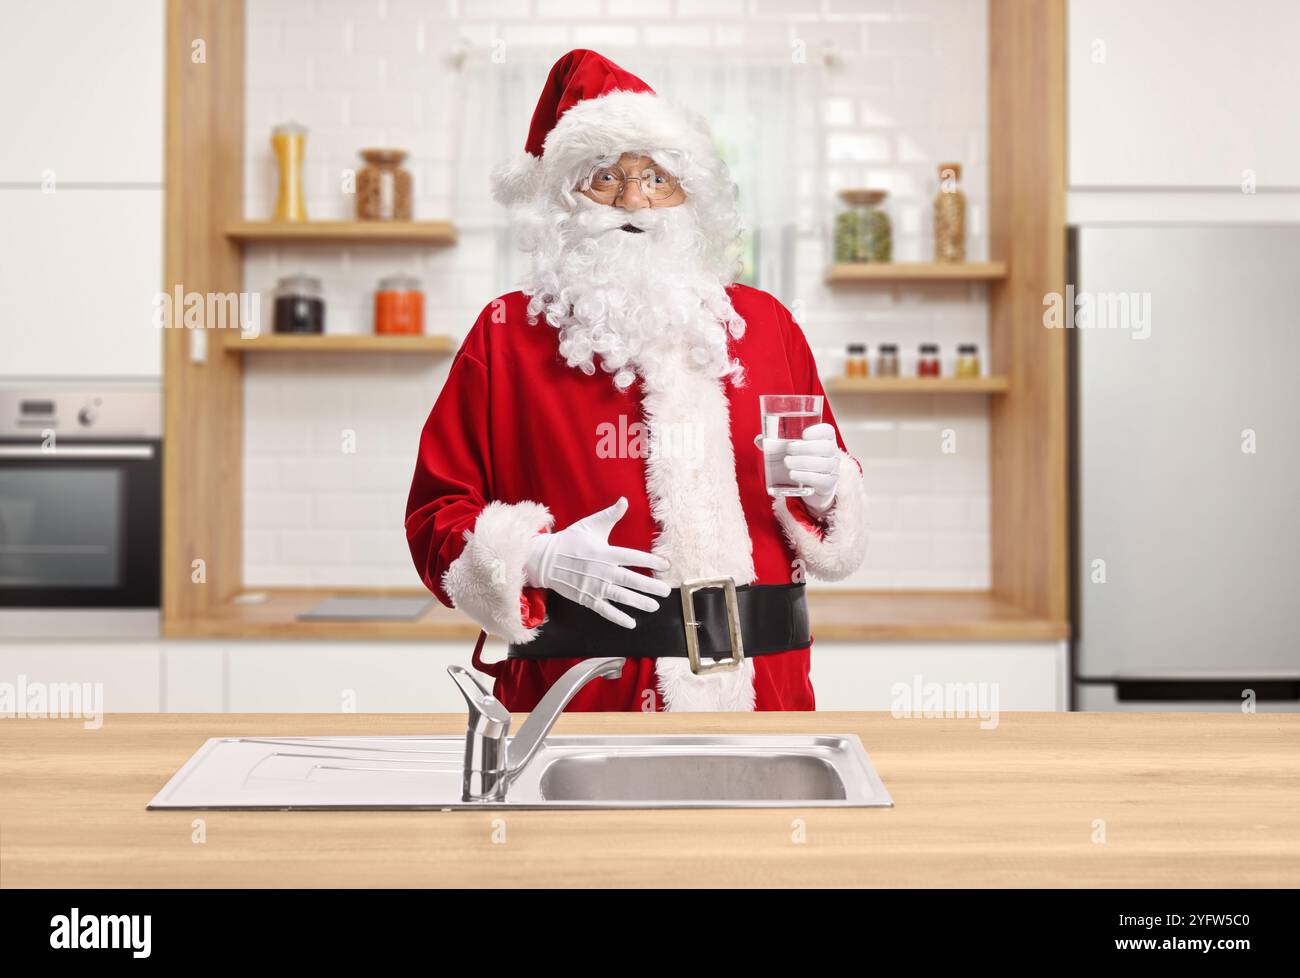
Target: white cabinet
(78, 273)
(1183, 93)
(904, 677)
(194, 677)
(83, 84)
(82, 161)
(352, 677)
(411, 677)
(125, 677)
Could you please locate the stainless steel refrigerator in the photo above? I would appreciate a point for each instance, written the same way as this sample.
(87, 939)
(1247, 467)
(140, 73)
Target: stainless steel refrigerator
(1185, 402)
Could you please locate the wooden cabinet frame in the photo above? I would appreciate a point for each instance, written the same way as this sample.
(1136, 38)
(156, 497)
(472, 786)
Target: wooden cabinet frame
(1028, 454)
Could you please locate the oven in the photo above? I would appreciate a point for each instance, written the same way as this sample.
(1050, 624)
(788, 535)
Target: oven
(80, 496)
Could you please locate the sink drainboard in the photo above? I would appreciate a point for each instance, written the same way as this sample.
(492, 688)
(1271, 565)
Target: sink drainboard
(578, 772)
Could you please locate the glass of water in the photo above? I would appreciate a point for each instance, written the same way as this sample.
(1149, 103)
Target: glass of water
(784, 418)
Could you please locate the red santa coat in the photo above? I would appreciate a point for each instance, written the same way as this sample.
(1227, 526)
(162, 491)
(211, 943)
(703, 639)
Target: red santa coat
(519, 443)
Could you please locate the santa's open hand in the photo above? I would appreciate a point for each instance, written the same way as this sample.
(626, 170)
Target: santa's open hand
(814, 461)
(579, 563)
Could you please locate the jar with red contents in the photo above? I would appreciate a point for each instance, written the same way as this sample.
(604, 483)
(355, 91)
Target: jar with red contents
(399, 306)
(927, 360)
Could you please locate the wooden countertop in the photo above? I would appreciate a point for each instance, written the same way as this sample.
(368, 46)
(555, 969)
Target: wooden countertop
(1186, 800)
(837, 616)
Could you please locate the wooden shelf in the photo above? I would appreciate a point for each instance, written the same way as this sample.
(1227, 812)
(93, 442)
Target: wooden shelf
(916, 271)
(837, 616)
(355, 343)
(917, 385)
(343, 232)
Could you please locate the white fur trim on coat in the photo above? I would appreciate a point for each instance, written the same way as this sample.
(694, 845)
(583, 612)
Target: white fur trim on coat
(843, 542)
(721, 692)
(695, 499)
(487, 580)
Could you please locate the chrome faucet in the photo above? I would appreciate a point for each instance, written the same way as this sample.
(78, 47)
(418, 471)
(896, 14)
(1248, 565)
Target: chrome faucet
(493, 759)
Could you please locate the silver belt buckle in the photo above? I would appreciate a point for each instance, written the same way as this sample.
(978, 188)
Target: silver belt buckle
(728, 586)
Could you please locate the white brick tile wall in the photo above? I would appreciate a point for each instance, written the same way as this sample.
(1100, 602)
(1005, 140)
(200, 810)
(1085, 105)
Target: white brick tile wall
(905, 91)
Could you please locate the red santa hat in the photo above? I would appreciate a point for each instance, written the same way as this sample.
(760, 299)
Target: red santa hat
(591, 109)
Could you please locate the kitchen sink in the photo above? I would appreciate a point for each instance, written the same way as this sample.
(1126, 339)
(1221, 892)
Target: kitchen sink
(567, 772)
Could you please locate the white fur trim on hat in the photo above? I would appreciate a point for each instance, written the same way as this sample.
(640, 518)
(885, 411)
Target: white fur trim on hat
(843, 543)
(517, 180)
(486, 581)
(598, 128)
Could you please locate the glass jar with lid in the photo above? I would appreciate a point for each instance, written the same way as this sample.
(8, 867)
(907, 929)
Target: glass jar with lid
(887, 360)
(968, 360)
(288, 143)
(927, 360)
(384, 186)
(950, 216)
(855, 362)
(863, 231)
(399, 306)
(299, 305)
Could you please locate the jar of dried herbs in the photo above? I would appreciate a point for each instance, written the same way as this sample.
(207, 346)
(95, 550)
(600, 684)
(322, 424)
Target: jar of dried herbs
(863, 231)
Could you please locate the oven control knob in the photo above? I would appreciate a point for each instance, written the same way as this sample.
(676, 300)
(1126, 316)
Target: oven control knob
(87, 416)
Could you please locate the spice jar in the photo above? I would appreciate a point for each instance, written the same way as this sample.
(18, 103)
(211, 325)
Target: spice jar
(856, 363)
(887, 360)
(863, 231)
(288, 143)
(950, 215)
(968, 361)
(299, 307)
(383, 186)
(399, 306)
(927, 360)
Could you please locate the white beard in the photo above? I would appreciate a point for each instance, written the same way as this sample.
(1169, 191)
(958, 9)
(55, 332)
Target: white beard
(650, 306)
(630, 300)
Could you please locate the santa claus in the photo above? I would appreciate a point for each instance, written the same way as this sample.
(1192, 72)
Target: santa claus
(591, 480)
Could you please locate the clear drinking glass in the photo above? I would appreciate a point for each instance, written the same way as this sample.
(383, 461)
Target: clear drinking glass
(784, 417)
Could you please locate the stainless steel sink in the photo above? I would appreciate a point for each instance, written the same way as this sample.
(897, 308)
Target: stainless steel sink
(566, 772)
(487, 769)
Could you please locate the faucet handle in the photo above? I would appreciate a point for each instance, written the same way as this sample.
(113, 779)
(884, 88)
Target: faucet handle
(487, 717)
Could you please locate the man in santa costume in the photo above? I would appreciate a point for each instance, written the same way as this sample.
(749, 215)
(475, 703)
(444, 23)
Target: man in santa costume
(596, 445)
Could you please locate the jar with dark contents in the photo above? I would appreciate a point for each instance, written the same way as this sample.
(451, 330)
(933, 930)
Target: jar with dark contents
(887, 360)
(299, 307)
(927, 360)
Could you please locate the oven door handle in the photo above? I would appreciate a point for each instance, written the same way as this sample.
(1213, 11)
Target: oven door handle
(77, 451)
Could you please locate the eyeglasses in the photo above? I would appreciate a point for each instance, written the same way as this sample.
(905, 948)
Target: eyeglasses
(607, 181)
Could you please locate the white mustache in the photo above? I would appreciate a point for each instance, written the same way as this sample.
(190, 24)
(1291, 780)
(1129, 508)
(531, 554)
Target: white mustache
(593, 219)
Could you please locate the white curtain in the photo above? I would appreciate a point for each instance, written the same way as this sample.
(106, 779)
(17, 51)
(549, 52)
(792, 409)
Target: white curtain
(751, 105)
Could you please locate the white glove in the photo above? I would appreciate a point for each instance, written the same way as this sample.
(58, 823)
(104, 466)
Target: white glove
(814, 460)
(579, 564)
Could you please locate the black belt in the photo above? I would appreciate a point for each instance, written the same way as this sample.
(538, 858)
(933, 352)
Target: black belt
(773, 618)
